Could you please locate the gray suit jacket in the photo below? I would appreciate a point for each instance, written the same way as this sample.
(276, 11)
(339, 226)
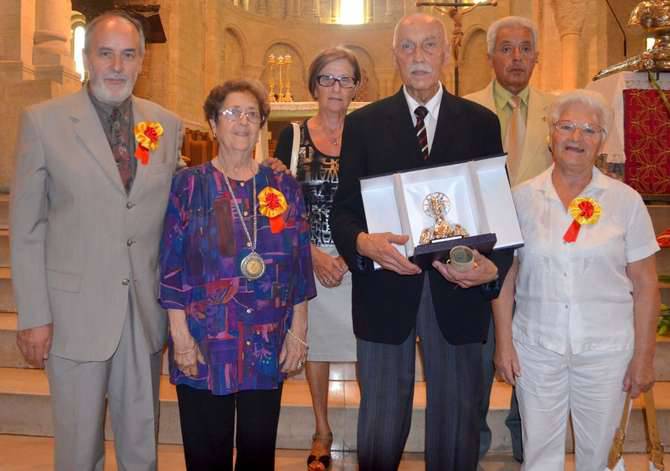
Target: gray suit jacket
(79, 243)
(535, 156)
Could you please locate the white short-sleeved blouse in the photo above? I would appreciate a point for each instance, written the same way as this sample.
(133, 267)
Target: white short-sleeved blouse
(576, 297)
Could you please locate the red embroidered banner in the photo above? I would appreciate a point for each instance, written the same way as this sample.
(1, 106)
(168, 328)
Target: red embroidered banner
(647, 142)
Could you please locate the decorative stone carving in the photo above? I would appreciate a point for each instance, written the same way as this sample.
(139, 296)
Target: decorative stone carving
(569, 16)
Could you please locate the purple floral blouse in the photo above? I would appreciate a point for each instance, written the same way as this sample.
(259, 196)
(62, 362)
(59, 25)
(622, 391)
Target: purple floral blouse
(239, 325)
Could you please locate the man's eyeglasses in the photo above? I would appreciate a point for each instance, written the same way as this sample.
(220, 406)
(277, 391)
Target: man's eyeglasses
(567, 128)
(329, 81)
(235, 114)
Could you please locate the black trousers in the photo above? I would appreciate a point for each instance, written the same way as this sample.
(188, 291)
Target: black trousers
(208, 427)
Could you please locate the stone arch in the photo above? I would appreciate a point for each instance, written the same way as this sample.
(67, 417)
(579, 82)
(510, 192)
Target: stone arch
(474, 69)
(296, 71)
(233, 54)
(369, 88)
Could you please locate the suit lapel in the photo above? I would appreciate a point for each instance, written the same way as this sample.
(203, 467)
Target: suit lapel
(488, 99)
(536, 130)
(139, 115)
(446, 129)
(88, 128)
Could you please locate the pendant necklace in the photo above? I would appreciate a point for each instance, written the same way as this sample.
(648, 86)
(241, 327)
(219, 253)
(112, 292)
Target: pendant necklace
(252, 266)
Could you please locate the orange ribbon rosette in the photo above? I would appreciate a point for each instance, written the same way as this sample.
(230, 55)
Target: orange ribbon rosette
(584, 211)
(147, 134)
(272, 204)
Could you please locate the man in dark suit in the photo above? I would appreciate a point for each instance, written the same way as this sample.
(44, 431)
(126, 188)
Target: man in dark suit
(449, 311)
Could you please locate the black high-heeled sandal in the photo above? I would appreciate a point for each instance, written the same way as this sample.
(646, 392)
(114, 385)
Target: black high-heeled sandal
(326, 460)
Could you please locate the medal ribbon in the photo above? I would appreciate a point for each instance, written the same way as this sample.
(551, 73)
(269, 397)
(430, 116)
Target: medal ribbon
(147, 134)
(272, 204)
(584, 211)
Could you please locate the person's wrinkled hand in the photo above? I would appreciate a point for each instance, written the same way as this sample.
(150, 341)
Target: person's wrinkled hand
(506, 362)
(380, 248)
(639, 376)
(187, 355)
(276, 165)
(329, 270)
(293, 351)
(482, 271)
(35, 344)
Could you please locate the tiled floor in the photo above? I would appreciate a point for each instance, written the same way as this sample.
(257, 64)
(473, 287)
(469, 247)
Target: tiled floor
(20, 453)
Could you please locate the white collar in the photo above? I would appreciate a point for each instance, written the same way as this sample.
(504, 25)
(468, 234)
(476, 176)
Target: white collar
(433, 105)
(543, 183)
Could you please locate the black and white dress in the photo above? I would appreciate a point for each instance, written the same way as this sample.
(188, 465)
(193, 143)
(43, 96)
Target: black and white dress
(330, 333)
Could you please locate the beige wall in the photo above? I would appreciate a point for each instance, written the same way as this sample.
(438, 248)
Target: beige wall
(210, 41)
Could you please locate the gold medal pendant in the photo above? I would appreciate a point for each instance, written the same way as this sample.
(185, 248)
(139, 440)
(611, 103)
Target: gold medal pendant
(252, 266)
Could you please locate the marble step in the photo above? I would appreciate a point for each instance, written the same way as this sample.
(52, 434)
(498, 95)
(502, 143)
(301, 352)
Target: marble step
(10, 357)
(4, 210)
(25, 410)
(4, 248)
(22, 453)
(7, 303)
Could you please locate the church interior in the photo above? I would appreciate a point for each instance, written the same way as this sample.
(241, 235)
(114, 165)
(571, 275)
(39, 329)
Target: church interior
(194, 45)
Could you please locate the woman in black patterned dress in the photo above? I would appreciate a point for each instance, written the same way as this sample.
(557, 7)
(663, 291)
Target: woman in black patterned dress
(334, 76)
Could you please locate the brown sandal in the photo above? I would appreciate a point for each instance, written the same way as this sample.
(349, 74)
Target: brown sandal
(324, 459)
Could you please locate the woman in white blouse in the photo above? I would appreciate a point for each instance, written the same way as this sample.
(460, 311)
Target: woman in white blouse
(584, 292)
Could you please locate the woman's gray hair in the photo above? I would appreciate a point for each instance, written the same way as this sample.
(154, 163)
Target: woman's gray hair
(509, 22)
(593, 100)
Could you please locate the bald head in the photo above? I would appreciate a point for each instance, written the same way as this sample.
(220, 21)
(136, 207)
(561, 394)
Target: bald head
(419, 18)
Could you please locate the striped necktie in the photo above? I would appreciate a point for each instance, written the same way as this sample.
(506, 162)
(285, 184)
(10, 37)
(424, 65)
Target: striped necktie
(420, 112)
(120, 123)
(516, 133)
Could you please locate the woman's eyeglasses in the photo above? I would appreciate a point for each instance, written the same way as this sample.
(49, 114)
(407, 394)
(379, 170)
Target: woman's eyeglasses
(235, 114)
(567, 128)
(329, 81)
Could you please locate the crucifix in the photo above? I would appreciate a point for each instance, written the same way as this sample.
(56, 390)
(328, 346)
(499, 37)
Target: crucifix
(456, 11)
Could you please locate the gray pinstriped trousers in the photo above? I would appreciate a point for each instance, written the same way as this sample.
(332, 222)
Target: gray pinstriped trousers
(453, 389)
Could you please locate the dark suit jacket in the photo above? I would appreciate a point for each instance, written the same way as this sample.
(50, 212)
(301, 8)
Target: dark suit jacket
(378, 139)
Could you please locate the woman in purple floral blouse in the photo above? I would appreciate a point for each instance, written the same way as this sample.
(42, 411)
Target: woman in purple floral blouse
(236, 275)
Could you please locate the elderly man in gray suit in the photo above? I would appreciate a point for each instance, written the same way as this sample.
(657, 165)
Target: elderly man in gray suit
(93, 174)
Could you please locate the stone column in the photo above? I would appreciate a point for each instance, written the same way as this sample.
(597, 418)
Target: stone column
(569, 16)
(369, 11)
(293, 8)
(52, 34)
(277, 8)
(310, 10)
(17, 27)
(35, 65)
(262, 7)
(334, 10)
(388, 12)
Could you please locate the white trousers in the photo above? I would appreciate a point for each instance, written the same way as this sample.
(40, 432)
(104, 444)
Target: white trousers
(551, 385)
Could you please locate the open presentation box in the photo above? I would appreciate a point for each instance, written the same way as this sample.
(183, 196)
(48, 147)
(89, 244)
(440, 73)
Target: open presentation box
(478, 198)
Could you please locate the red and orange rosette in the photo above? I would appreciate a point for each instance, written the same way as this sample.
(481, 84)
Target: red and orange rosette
(147, 134)
(272, 204)
(584, 211)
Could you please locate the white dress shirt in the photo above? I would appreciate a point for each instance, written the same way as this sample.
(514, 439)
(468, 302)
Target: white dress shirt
(576, 297)
(433, 107)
